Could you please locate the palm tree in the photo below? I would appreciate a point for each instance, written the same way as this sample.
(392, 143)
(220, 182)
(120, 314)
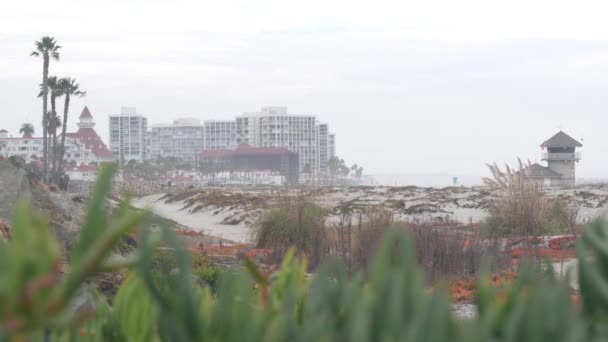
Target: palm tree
(46, 48)
(69, 88)
(27, 129)
(359, 172)
(52, 84)
(54, 123)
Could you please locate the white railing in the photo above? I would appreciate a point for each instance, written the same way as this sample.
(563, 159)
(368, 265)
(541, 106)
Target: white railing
(561, 156)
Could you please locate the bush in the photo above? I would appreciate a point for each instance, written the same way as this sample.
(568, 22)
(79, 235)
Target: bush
(164, 263)
(522, 208)
(293, 222)
(440, 252)
(455, 253)
(372, 225)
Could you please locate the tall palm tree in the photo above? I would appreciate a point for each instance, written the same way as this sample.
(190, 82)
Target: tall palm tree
(27, 129)
(46, 48)
(69, 88)
(54, 124)
(52, 85)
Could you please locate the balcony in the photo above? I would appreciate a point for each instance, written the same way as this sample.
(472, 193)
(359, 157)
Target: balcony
(561, 156)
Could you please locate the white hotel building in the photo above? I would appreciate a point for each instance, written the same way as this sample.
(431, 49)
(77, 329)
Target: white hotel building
(83, 147)
(183, 139)
(27, 147)
(128, 135)
(220, 135)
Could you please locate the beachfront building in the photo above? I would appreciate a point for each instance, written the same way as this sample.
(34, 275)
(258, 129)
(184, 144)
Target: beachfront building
(85, 146)
(324, 148)
(81, 147)
(128, 135)
(251, 165)
(302, 134)
(27, 147)
(561, 155)
(248, 129)
(332, 145)
(219, 135)
(183, 139)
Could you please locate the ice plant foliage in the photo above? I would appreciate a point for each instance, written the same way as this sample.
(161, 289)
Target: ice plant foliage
(388, 301)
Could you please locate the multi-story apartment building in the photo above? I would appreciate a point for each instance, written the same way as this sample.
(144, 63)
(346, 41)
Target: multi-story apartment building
(274, 127)
(219, 135)
(332, 145)
(128, 135)
(183, 139)
(248, 129)
(324, 148)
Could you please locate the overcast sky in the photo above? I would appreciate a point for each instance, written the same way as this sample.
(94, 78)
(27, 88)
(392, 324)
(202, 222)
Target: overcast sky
(422, 87)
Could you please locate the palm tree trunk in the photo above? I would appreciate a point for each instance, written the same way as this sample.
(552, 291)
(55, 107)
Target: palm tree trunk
(53, 134)
(66, 107)
(45, 161)
(55, 176)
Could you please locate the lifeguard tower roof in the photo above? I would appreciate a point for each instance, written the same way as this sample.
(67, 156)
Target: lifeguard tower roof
(561, 139)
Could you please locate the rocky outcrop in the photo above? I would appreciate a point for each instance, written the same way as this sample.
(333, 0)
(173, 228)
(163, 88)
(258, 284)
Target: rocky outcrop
(63, 212)
(14, 184)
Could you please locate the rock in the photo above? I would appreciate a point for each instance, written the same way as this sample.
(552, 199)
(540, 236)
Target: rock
(14, 184)
(64, 214)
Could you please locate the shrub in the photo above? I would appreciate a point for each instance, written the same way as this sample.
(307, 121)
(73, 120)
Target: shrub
(440, 252)
(521, 207)
(164, 263)
(373, 223)
(561, 217)
(455, 253)
(293, 222)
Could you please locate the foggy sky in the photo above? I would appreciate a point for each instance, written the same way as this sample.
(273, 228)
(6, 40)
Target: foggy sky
(429, 87)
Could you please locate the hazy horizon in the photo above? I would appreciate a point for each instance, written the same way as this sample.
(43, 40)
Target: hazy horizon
(428, 88)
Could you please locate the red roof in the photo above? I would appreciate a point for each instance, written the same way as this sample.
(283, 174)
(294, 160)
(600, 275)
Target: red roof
(86, 113)
(248, 150)
(216, 153)
(92, 141)
(82, 168)
(245, 150)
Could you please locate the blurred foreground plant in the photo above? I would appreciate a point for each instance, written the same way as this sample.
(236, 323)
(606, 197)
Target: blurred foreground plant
(386, 302)
(36, 286)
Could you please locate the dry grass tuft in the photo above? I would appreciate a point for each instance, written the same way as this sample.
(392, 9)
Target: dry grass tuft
(440, 251)
(522, 208)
